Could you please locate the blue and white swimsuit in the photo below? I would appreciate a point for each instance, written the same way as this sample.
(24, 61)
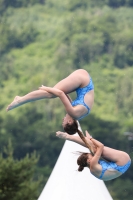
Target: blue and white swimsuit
(113, 165)
(81, 92)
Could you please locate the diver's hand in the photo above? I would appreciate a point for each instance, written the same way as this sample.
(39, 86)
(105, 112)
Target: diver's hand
(93, 147)
(88, 135)
(61, 135)
(52, 90)
(43, 87)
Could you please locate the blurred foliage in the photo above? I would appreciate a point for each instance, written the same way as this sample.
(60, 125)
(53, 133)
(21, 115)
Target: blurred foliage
(44, 41)
(121, 189)
(4, 4)
(15, 37)
(16, 176)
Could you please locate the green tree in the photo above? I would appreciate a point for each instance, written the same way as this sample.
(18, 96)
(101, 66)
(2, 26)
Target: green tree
(121, 189)
(124, 96)
(118, 3)
(17, 37)
(16, 176)
(4, 4)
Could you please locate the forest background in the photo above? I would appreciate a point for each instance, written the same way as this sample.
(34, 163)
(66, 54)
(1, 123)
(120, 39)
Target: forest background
(42, 43)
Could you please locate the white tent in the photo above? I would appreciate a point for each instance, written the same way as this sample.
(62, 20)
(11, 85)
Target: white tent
(66, 183)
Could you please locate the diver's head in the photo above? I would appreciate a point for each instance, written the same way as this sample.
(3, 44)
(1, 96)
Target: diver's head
(70, 125)
(84, 161)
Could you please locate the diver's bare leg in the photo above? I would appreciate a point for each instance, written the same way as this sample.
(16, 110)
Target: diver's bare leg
(32, 96)
(78, 78)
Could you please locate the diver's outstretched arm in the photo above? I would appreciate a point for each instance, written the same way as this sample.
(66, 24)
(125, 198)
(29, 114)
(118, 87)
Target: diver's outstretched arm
(72, 111)
(76, 139)
(72, 138)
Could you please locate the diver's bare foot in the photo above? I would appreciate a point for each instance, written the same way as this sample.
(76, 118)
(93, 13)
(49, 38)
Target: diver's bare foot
(14, 104)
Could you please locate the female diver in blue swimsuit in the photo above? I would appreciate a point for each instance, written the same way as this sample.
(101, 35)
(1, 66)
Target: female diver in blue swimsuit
(79, 81)
(115, 162)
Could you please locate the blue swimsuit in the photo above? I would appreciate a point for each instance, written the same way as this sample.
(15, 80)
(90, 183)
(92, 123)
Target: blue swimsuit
(113, 165)
(81, 92)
